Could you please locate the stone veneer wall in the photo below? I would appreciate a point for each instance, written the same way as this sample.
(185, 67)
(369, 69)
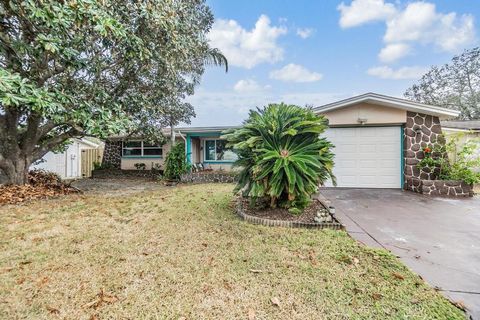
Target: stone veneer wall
(421, 130)
(448, 188)
(112, 155)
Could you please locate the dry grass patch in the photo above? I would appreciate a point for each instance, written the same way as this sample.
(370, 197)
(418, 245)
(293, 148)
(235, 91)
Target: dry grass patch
(181, 253)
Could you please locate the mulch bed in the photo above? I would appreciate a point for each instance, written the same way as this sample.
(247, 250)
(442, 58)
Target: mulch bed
(308, 214)
(41, 185)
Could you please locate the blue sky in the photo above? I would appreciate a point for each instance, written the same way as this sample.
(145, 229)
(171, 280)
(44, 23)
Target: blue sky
(315, 52)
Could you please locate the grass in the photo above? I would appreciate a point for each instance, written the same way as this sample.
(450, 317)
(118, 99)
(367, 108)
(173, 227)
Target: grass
(182, 254)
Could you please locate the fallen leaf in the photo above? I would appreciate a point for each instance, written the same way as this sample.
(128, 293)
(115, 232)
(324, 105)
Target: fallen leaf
(312, 257)
(256, 271)
(356, 261)
(398, 276)
(251, 314)
(376, 296)
(53, 310)
(102, 297)
(460, 305)
(275, 301)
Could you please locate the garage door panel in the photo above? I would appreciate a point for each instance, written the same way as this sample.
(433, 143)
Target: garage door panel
(368, 157)
(368, 163)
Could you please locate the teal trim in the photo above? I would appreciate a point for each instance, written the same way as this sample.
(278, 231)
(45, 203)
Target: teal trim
(142, 157)
(402, 157)
(219, 162)
(188, 148)
(216, 134)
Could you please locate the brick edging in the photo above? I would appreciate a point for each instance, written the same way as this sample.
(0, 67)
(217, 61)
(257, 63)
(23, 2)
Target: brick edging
(282, 223)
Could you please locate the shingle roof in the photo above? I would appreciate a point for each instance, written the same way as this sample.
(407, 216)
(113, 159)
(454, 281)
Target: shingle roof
(462, 124)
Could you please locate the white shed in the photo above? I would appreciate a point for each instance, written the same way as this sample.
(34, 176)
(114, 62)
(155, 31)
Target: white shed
(68, 163)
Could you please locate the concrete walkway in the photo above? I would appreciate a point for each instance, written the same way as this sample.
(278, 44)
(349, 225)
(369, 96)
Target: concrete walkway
(437, 238)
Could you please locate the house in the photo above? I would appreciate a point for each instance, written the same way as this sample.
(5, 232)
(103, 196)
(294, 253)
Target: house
(67, 164)
(469, 128)
(463, 130)
(378, 142)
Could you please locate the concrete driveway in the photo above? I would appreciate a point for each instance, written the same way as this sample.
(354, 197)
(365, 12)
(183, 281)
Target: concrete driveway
(437, 238)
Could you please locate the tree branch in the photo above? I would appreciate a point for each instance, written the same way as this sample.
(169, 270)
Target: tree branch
(41, 150)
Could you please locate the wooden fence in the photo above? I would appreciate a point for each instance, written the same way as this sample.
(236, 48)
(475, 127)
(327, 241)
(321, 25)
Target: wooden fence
(89, 157)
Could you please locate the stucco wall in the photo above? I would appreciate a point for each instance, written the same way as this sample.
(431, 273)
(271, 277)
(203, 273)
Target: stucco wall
(113, 156)
(374, 114)
(129, 163)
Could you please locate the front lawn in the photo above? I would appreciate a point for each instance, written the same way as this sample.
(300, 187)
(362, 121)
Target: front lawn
(181, 253)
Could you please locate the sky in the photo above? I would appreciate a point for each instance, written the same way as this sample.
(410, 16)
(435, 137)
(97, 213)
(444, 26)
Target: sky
(315, 52)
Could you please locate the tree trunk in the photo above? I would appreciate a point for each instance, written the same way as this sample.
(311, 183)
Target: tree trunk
(16, 170)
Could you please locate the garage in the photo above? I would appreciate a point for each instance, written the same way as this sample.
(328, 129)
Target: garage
(367, 157)
(378, 139)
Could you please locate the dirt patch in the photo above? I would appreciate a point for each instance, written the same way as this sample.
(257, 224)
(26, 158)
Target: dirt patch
(117, 186)
(308, 214)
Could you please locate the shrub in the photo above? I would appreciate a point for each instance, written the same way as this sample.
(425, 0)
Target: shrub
(176, 162)
(140, 166)
(454, 160)
(281, 155)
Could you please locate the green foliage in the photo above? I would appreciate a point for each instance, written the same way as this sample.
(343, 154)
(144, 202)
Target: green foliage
(140, 166)
(455, 85)
(98, 165)
(176, 162)
(281, 155)
(455, 160)
(70, 68)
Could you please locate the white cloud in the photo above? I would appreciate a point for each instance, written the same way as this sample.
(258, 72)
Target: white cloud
(418, 22)
(393, 52)
(247, 48)
(422, 23)
(402, 73)
(363, 11)
(295, 73)
(305, 33)
(230, 107)
(248, 85)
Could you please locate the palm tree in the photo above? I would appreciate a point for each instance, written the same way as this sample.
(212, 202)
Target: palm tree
(215, 57)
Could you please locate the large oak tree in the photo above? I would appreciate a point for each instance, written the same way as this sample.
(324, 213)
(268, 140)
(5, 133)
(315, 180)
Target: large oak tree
(88, 67)
(455, 85)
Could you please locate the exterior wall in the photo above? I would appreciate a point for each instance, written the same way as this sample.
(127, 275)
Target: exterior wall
(198, 154)
(420, 131)
(66, 164)
(375, 114)
(446, 188)
(112, 155)
(219, 166)
(129, 163)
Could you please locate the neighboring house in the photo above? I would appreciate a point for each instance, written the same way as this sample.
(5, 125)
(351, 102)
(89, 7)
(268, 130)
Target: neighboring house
(464, 130)
(378, 142)
(67, 164)
(468, 128)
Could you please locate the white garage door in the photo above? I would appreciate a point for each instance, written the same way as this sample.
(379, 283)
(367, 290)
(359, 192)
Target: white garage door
(367, 157)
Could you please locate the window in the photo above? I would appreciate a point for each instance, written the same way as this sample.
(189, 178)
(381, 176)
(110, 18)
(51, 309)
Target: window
(141, 149)
(216, 150)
